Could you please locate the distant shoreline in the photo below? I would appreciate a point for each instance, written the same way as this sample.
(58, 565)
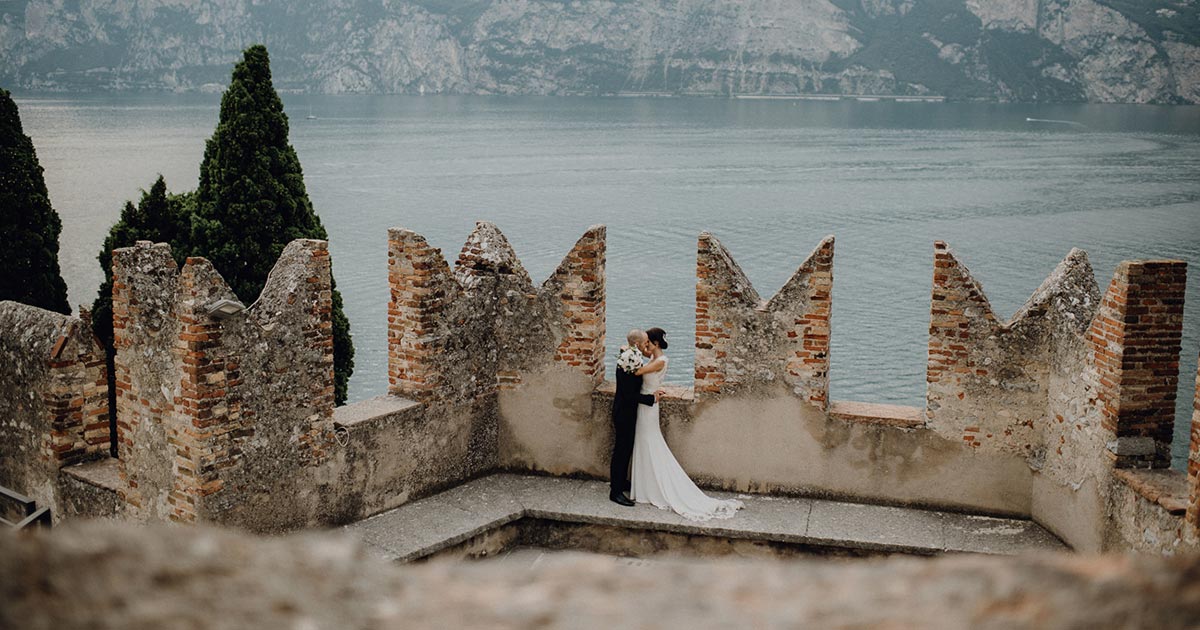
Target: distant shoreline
(899, 98)
(211, 90)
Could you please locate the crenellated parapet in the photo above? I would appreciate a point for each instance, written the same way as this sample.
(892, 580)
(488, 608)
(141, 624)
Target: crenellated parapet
(576, 290)
(53, 399)
(745, 343)
(1075, 383)
(988, 382)
(463, 334)
(1062, 413)
(217, 407)
(422, 290)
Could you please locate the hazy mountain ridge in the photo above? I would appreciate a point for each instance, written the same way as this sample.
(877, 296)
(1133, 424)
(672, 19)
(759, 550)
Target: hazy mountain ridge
(1043, 50)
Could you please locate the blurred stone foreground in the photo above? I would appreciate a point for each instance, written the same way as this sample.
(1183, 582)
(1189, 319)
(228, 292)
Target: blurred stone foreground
(108, 574)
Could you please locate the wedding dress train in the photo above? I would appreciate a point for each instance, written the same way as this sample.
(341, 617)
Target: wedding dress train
(656, 476)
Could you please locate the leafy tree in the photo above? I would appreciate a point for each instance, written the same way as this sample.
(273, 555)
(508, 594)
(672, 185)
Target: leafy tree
(30, 226)
(252, 202)
(159, 217)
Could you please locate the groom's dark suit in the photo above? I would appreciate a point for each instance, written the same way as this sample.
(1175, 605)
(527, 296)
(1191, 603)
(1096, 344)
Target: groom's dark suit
(624, 417)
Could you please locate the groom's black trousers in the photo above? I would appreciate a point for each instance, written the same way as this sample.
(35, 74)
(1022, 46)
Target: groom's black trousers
(624, 419)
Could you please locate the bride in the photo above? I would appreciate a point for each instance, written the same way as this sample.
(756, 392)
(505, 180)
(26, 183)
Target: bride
(656, 477)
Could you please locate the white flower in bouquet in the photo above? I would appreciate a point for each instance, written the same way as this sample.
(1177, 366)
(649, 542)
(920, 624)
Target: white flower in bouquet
(630, 359)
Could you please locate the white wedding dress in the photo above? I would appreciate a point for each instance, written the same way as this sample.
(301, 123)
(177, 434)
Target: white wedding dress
(657, 478)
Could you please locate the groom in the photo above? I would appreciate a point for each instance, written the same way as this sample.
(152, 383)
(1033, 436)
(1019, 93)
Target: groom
(624, 412)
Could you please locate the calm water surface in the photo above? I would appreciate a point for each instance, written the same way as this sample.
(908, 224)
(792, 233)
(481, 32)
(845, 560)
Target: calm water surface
(768, 178)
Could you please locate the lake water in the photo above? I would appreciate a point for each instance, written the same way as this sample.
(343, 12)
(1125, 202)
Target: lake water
(769, 178)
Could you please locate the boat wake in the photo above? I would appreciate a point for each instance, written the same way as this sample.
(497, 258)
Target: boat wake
(1056, 122)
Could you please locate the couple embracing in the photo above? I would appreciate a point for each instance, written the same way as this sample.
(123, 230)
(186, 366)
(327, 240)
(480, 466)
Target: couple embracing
(654, 476)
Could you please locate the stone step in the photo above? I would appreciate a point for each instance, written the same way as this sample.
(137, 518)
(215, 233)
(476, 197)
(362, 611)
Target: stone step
(435, 523)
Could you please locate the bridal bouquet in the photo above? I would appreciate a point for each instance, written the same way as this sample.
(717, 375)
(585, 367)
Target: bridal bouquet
(630, 359)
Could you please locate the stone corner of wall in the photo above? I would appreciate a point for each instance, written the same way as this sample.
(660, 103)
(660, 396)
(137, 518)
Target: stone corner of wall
(1135, 340)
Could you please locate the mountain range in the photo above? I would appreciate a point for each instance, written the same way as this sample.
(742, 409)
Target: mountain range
(1132, 51)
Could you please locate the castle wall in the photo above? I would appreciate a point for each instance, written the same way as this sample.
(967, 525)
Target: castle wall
(227, 420)
(391, 453)
(758, 417)
(147, 375)
(745, 344)
(53, 400)
(1193, 471)
(1012, 424)
(91, 490)
(1021, 388)
(1061, 414)
(779, 445)
(231, 420)
(1135, 343)
(1156, 510)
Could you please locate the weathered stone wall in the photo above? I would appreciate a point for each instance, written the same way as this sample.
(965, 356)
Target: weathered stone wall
(774, 446)
(987, 381)
(1023, 388)
(1012, 423)
(145, 330)
(91, 490)
(492, 355)
(231, 419)
(1193, 471)
(392, 453)
(1144, 512)
(53, 400)
(1136, 339)
(1071, 384)
(224, 420)
(460, 335)
(1117, 409)
(745, 344)
(756, 419)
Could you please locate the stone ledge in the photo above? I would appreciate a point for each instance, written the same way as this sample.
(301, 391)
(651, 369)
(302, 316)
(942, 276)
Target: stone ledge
(683, 393)
(900, 416)
(102, 473)
(424, 527)
(371, 410)
(1167, 488)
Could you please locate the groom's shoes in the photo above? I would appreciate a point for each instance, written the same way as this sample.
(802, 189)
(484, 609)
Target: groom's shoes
(620, 499)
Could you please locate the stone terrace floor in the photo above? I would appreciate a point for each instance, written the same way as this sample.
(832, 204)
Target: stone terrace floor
(424, 527)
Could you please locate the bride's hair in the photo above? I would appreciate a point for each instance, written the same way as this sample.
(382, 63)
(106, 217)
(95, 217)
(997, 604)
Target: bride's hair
(658, 337)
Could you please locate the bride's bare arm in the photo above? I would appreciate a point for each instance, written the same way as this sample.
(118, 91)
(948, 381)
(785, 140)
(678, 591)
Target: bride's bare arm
(653, 366)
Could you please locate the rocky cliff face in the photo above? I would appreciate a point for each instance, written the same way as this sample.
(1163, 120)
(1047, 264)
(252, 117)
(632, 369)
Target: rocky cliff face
(1027, 50)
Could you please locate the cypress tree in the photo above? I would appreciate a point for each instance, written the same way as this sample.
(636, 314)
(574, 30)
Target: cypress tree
(252, 202)
(30, 226)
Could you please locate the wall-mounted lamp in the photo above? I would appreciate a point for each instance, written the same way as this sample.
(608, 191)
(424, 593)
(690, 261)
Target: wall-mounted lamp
(222, 309)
